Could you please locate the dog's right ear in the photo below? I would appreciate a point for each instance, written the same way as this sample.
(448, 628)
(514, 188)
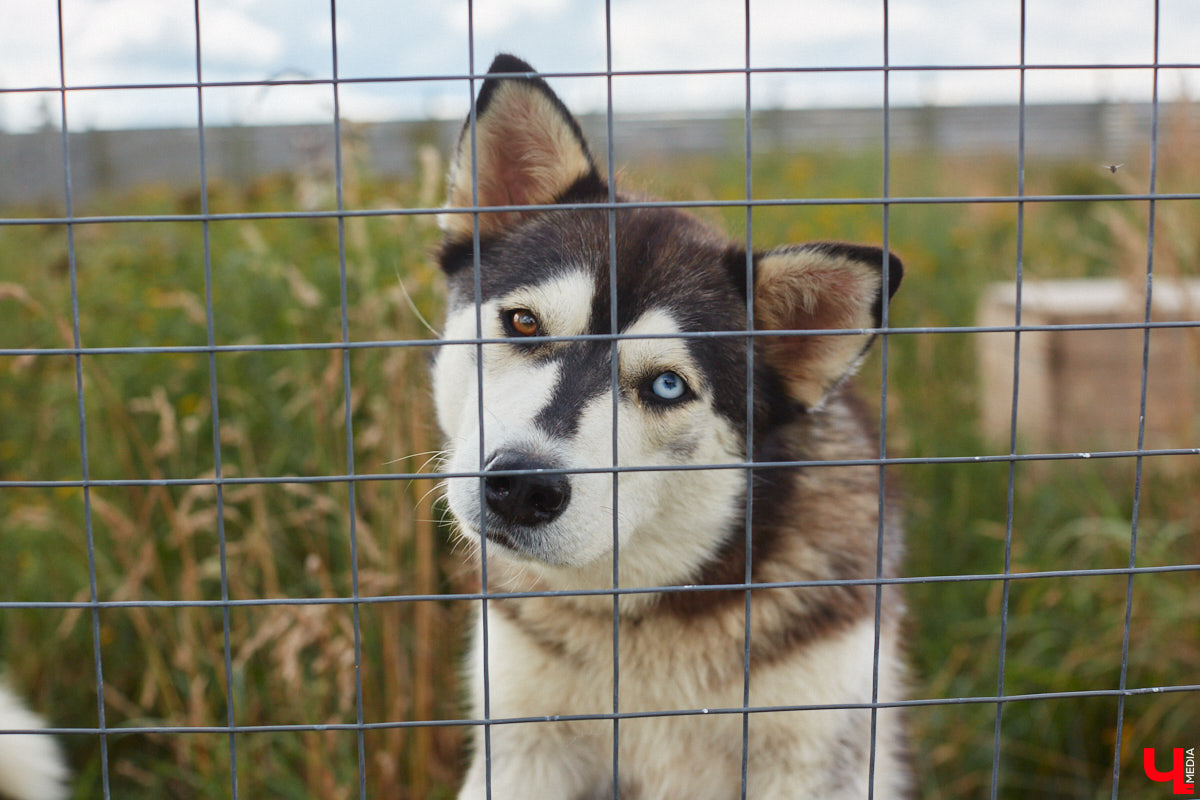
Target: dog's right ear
(529, 151)
(820, 286)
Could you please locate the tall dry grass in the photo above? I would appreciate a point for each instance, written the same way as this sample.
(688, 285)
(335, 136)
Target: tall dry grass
(150, 418)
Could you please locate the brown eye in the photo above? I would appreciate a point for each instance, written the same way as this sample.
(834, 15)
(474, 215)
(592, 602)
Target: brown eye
(523, 322)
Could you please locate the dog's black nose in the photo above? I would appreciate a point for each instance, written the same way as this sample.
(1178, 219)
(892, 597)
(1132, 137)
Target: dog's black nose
(529, 499)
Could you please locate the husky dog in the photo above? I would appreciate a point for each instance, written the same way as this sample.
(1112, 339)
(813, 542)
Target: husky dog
(31, 764)
(548, 409)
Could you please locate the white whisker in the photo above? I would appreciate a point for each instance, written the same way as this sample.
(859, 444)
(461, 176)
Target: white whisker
(398, 459)
(413, 306)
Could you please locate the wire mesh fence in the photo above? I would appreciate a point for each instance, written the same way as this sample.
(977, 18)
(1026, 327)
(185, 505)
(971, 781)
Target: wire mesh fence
(246, 505)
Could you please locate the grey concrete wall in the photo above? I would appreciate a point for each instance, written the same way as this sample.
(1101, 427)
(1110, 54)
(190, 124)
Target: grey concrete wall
(31, 165)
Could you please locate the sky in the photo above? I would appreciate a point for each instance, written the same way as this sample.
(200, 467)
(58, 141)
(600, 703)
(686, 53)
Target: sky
(144, 43)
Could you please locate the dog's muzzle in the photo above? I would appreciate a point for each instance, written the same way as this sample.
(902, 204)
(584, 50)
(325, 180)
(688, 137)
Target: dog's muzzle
(529, 498)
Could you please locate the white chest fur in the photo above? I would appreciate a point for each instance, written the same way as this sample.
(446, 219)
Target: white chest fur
(822, 752)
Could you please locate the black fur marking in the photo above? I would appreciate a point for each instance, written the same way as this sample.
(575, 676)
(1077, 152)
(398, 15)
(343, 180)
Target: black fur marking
(734, 263)
(458, 255)
(585, 372)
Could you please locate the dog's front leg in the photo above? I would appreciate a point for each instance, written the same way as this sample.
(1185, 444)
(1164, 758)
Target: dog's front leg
(559, 760)
(532, 760)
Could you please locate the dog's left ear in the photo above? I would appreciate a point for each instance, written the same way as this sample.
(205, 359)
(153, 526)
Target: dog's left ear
(529, 151)
(824, 286)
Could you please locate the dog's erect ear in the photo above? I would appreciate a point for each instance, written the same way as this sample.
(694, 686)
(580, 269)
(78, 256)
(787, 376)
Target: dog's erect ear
(823, 286)
(530, 150)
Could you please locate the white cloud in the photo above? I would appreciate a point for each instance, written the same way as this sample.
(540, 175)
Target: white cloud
(491, 17)
(233, 36)
(28, 44)
(97, 33)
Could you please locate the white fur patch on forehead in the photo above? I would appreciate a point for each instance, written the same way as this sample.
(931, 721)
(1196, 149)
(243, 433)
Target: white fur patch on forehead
(639, 356)
(563, 303)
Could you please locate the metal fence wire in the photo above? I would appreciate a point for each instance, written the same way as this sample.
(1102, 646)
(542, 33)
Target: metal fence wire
(95, 605)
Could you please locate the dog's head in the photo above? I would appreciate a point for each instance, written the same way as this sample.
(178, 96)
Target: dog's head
(549, 406)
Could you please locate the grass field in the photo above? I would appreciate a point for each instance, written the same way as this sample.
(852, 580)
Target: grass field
(283, 414)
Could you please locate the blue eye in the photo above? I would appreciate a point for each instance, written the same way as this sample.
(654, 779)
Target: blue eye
(669, 386)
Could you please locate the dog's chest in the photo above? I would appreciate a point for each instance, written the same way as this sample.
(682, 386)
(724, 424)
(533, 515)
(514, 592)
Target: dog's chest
(688, 682)
(661, 672)
(562, 663)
